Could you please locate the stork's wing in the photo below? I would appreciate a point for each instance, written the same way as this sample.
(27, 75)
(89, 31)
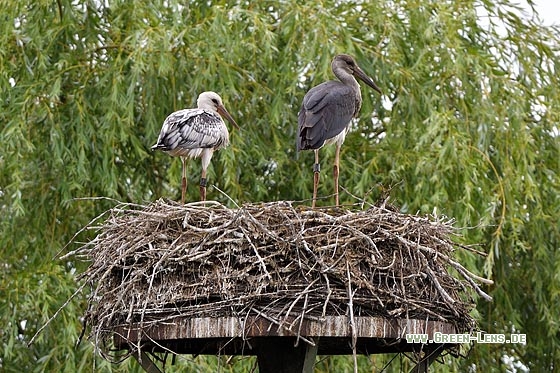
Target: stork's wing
(191, 129)
(326, 111)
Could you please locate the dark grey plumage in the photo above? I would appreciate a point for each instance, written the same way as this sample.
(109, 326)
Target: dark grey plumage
(326, 111)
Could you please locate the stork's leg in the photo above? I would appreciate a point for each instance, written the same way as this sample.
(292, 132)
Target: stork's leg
(335, 173)
(203, 183)
(316, 171)
(184, 180)
(206, 157)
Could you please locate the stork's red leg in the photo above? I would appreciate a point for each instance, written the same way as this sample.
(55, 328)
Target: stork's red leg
(316, 171)
(184, 180)
(335, 173)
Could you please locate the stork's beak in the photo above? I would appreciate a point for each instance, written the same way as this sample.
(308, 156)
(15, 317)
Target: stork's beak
(366, 79)
(224, 113)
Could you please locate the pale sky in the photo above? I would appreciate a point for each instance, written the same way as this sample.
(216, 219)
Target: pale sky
(549, 11)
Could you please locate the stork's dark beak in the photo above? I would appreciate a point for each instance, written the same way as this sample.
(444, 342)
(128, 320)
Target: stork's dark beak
(224, 113)
(366, 79)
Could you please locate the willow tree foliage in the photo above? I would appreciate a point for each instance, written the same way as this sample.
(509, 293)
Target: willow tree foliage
(467, 127)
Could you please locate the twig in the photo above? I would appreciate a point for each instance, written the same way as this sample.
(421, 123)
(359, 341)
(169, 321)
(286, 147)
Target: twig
(352, 322)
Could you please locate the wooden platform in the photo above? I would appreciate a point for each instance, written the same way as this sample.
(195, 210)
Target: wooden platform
(332, 335)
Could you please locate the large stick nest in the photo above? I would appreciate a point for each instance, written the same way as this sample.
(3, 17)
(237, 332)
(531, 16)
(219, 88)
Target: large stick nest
(152, 263)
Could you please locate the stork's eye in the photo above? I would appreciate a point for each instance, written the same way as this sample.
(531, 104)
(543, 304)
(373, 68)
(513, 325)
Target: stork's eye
(214, 100)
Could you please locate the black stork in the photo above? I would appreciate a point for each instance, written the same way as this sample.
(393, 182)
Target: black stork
(196, 133)
(327, 110)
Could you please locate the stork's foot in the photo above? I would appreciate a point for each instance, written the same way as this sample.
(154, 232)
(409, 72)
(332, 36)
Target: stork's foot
(203, 183)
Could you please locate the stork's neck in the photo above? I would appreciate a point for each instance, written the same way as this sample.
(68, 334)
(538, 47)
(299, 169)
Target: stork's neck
(349, 80)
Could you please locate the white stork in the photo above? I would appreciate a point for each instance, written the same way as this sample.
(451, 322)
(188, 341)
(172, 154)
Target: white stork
(196, 133)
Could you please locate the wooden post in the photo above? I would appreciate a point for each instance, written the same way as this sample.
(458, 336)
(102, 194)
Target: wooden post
(429, 357)
(279, 355)
(146, 363)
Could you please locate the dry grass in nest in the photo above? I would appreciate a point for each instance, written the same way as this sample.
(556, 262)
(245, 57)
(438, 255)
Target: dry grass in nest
(152, 263)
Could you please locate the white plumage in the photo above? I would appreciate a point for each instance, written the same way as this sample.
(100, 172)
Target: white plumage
(196, 133)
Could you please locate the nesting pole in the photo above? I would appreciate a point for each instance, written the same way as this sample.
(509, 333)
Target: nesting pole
(281, 282)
